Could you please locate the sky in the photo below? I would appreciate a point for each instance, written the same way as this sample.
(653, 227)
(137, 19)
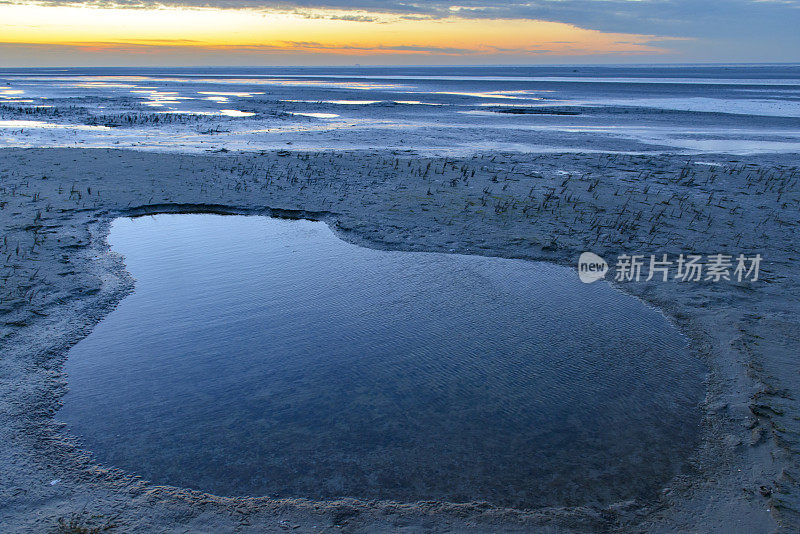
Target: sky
(396, 32)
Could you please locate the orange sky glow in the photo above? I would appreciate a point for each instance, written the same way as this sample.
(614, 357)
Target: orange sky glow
(250, 31)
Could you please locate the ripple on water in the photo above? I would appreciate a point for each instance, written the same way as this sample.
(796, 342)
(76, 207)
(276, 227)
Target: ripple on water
(268, 357)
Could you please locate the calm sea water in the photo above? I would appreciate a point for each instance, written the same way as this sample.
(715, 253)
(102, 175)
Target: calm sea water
(268, 357)
(733, 109)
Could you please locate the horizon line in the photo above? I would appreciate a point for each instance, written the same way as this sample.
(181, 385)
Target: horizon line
(427, 66)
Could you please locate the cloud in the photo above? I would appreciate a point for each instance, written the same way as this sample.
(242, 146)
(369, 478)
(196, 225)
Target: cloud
(769, 19)
(354, 17)
(750, 30)
(315, 46)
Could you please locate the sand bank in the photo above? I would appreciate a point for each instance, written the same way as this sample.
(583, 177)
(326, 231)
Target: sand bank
(59, 279)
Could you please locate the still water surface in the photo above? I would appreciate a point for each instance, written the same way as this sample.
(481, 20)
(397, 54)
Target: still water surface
(260, 356)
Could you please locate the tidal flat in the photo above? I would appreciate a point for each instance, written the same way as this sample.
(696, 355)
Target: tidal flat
(60, 278)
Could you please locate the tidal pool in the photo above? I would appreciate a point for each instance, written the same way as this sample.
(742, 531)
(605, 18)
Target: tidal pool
(260, 356)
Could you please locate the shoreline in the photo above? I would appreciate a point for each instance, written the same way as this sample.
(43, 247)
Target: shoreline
(382, 200)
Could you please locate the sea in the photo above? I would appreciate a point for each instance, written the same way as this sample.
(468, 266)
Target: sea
(723, 109)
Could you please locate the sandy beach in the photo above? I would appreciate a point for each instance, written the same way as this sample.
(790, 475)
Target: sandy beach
(59, 279)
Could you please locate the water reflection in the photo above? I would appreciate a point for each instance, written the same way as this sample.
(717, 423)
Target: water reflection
(261, 356)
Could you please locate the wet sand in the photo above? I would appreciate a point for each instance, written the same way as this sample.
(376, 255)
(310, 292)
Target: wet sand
(59, 279)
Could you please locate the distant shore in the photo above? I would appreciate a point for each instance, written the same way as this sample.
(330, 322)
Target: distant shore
(59, 279)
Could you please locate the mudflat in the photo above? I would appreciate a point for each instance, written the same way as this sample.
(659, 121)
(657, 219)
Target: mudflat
(59, 279)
